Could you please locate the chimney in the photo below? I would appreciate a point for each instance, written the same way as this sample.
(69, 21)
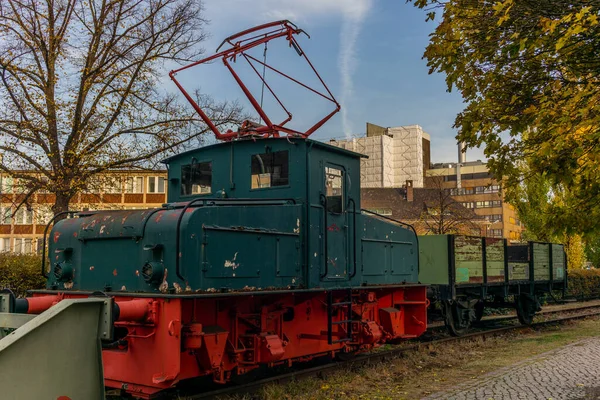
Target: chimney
(462, 158)
(462, 155)
(409, 191)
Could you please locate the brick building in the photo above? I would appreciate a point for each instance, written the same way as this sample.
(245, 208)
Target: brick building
(22, 231)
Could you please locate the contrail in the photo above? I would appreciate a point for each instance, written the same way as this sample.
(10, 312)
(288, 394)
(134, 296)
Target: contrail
(351, 26)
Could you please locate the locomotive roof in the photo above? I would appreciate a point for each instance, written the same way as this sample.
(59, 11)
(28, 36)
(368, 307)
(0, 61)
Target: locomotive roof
(315, 143)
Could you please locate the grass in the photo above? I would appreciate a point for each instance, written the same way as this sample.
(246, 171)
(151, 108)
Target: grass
(433, 368)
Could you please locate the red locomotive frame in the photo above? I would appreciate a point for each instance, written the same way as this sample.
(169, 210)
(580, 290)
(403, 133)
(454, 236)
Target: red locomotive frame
(226, 334)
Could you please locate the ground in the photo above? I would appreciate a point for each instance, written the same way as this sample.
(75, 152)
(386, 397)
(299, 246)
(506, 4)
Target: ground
(570, 372)
(555, 360)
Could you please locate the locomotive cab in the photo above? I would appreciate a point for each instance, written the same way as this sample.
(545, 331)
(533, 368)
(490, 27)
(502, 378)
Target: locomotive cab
(321, 180)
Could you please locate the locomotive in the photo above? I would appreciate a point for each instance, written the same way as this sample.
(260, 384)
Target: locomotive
(261, 257)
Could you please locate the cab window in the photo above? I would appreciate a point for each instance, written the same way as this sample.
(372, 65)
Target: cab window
(334, 189)
(270, 170)
(196, 178)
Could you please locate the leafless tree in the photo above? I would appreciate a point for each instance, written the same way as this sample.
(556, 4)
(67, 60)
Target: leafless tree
(80, 88)
(442, 214)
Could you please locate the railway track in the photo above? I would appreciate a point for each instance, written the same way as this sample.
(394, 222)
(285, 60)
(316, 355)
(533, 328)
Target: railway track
(384, 355)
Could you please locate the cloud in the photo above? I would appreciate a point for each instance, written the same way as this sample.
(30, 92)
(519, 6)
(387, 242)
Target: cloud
(351, 26)
(294, 10)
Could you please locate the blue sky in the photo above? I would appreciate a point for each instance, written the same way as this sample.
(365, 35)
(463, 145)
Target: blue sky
(368, 52)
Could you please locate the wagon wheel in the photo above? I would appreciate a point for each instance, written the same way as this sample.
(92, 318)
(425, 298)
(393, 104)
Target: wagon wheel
(479, 307)
(526, 306)
(455, 319)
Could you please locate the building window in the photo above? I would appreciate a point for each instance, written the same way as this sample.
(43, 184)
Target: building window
(450, 178)
(493, 217)
(112, 184)
(468, 204)
(24, 246)
(487, 189)
(196, 178)
(270, 170)
(495, 233)
(134, 184)
(512, 220)
(6, 184)
(488, 204)
(24, 217)
(4, 245)
(382, 211)
(334, 189)
(461, 191)
(5, 216)
(43, 214)
(156, 184)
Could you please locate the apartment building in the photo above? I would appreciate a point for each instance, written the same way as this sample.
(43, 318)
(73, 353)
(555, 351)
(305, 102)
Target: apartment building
(21, 230)
(472, 185)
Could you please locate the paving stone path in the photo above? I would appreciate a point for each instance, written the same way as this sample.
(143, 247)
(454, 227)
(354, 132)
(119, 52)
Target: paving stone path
(569, 373)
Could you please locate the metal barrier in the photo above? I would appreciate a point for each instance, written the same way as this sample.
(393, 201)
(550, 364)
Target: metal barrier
(56, 355)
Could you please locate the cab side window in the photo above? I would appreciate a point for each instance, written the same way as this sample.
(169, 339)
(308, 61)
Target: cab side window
(270, 169)
(196, 178)
(334, 189)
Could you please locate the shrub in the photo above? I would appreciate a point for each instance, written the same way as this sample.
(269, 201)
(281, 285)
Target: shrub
(20, 272)
(584, 283)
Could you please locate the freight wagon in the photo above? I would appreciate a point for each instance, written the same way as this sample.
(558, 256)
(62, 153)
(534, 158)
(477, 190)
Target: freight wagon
(467, 274)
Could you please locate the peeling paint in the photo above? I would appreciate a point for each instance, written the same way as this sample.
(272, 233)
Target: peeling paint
(69, 285)
(137, 272)
(123, 288)
(297, 228)
(92, 268)
(115, 272)
(231, 263)
(316, 254)
(164, 286)
(178, 288)
(102, 229)
(56, 236)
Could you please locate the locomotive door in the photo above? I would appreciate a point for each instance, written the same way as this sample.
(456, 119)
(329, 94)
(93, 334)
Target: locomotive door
(335, 223)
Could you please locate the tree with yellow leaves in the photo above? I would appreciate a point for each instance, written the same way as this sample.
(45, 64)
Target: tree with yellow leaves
(529, 73)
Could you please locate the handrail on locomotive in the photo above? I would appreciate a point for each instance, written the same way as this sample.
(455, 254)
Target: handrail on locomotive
(240, 43)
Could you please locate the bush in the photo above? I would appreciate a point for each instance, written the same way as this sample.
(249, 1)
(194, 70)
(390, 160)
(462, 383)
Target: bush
(584, 283)
(20, 273)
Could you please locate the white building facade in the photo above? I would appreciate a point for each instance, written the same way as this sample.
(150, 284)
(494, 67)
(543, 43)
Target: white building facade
(396, 155)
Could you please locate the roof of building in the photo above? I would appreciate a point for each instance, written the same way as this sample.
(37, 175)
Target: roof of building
(423, 198)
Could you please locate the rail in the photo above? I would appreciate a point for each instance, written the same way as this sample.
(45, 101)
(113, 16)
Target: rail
(379, 356)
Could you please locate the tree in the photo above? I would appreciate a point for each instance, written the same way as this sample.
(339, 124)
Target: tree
(80, 88)
(592, 249)
(528, 72)
(537, 201)
(441, 214)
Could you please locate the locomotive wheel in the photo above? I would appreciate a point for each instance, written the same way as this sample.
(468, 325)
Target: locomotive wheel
(455, 319)
(526, 306)
(479, 307)
(345, 356)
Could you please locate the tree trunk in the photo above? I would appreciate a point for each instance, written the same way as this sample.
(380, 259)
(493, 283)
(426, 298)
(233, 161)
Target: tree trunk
(62, 203)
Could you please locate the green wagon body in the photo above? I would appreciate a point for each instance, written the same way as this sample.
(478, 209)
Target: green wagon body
(457, 265)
